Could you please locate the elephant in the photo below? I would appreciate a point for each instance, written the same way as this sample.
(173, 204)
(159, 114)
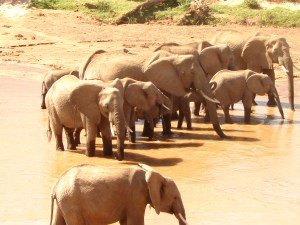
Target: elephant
(258, 52)
(212, 58)
(74, 103)
(50, 78)
(232, 86)
(90, 194)
(144, 97)
(173, 74)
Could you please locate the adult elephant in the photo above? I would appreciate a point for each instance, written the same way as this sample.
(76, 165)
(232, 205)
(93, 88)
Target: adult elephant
(258, 52)
(174, 74)
(73, 103)
(89, 194)
(212, 59)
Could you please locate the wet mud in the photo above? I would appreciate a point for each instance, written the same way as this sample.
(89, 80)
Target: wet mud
(251, 178)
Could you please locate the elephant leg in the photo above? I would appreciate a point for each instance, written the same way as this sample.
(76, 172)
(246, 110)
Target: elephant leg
(76, 135)
(197, 108)
(187, 114)
(58, 218)
(43, 105)
(147, 131)
(175, 115)
(123, 221)
(247, 114)
(98, 132)
(166, 123)
(132, 135)
(226, 114)
(271, 96)
(232, 106)
(106, 136)
(57, 130)
(70, 139)
(253, 100)
(91, 130)
(180, 119)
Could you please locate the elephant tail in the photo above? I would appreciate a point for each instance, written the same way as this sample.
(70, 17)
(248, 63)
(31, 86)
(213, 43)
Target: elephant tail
(49, 131)
(82, 72)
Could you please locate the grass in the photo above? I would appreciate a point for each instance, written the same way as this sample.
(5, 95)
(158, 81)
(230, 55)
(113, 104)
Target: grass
(245, 15)
(109, 10)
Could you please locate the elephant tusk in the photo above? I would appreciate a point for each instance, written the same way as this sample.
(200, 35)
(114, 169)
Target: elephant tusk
(296, 68)
(112, 129)
(180, 218)
(128, 128)
(284, 69)
(208, 98)
(165, 107)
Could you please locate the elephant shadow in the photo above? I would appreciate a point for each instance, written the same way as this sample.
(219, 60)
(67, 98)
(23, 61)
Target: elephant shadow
(133, 157)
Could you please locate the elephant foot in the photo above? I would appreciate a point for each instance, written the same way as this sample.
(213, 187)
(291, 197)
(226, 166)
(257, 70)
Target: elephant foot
(72, 147)
(196, 113)
(43, 107)
(228, 121)
(206, 119)
(107, 146)
(60, 149)
(132, 138)
(98, 134)
(90, 149)
(120, 155)
(189, 127)
(271, 102)
(167, 133)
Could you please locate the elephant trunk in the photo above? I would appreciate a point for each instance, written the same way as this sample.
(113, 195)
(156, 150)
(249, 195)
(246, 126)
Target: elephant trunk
(287, 63)
(274, 91)
(179, 212)
(212, 111)
(119, 121)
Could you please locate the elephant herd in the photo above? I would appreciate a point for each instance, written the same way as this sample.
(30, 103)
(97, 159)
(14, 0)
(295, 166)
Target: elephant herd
(117, 88)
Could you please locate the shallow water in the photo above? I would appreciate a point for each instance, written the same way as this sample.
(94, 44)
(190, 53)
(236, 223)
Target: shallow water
(252, 178)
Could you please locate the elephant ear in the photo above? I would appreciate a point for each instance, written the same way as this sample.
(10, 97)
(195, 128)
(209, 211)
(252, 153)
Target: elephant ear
(164, 75)
(255, 84)
(255, 54)
(210, 60)
(85, 98)
(204, 44)
(155, 183)
(117, 83)
(136, 97)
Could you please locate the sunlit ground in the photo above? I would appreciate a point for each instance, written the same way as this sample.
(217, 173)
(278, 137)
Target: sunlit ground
(13, 11)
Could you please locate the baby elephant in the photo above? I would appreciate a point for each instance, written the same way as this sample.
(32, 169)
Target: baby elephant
(50, 78)
(233, 86)
(89, 194)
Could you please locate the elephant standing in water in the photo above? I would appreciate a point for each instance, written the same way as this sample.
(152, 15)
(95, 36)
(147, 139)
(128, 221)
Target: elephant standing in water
(232, 86)
(89, 194)
(258, 52)
(50, 78)
(173, 74)
(212, 59)
(73, 103)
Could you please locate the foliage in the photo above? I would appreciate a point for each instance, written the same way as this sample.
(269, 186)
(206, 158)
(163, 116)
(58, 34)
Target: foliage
(45, 4)
(252, 4)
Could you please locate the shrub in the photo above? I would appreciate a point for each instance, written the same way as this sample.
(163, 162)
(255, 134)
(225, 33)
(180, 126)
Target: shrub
(252, 4)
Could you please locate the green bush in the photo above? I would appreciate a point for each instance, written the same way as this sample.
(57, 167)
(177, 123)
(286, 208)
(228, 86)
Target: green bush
(251, 4)
(44, 4)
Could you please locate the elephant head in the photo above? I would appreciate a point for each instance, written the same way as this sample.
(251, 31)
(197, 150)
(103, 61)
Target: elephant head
(177, 74)
(164, 194)
(260, 52)
(262, 84)
(216, 58)
(94, 101)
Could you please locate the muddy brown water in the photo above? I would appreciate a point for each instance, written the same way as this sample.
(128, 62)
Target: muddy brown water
(253, 178)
